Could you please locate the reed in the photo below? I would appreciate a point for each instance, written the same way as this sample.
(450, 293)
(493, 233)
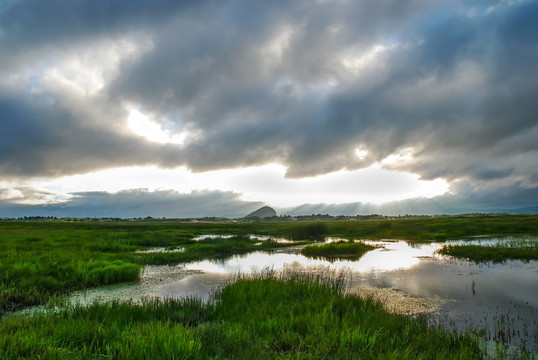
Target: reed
(525, 250)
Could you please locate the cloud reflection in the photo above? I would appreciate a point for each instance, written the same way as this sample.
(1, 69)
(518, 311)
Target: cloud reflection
(394, 255)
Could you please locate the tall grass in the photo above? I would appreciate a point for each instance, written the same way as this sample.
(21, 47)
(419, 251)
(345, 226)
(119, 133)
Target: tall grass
(265, 317)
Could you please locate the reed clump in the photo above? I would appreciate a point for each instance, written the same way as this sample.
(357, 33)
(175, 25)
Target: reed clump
(339, 249)
(518, 249)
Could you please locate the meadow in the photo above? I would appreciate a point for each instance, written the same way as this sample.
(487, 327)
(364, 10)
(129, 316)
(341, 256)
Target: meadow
(268, 316)
(41, 260)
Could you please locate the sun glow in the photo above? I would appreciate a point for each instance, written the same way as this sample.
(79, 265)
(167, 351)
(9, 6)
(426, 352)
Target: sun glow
(141, 125)
(361, 153)
(267, 183)
(371, 58)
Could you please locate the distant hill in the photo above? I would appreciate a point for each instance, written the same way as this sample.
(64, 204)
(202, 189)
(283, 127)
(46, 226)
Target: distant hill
(263, 212)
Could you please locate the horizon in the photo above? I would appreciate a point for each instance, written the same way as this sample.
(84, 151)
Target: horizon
(277, 217)
(309, 218)
(217, 108)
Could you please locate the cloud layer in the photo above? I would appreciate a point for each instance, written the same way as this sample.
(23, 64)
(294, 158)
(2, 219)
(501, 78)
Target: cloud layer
(198, 204)
(446, 88)
(139, 203)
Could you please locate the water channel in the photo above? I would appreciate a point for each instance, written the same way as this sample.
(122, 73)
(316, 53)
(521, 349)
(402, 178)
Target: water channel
(502, 299)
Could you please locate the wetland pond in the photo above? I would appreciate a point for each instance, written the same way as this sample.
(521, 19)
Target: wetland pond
(499, 301)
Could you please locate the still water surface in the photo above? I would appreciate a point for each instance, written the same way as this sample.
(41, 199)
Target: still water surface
(500, 298)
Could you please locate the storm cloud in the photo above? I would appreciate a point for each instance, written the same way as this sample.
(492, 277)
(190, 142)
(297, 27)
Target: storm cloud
(448, 88)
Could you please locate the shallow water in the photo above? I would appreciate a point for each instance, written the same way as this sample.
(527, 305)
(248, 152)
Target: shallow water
(500, 298)
(251, 237)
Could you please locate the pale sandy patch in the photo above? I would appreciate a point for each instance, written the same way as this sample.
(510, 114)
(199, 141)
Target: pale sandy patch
(398, 302)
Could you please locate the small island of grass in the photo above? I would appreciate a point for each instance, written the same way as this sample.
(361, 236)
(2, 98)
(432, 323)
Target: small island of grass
(338, 249)
(518, 250)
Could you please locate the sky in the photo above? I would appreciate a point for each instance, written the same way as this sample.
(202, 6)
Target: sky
(132, 108)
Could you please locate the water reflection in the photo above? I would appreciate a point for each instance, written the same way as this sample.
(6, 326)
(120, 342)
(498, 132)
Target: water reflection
(250, 236)
(212, 236)
(160, 250)
(476, 295)
(391, 255)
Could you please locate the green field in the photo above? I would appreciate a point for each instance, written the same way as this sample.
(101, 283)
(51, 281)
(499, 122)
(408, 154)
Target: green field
(40, 260)
(271, 316)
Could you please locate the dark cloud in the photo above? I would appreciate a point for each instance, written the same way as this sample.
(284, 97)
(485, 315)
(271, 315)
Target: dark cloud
(42, 137)
(439, 89)
(34, 22)
(138, 203)
(512, 199)
(260, 90)
(299, 83)
(488, 173)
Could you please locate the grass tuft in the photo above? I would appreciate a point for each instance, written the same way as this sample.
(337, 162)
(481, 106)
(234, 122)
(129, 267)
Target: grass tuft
(525, 250)
(340, 249)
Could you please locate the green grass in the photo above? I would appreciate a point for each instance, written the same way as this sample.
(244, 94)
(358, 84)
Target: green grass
(513, 250)
(40, 260)
(213, 248)
(340, 249)
(267, 317)
(442, 228)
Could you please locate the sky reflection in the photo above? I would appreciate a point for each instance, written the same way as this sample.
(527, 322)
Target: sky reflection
(475, 294)
(392, 255)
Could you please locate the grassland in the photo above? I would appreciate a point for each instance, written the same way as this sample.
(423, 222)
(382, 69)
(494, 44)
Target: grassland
(253, 318)
(416, 229)
(340, 249)
(268, 317)
(35, 270)
(40, 260)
